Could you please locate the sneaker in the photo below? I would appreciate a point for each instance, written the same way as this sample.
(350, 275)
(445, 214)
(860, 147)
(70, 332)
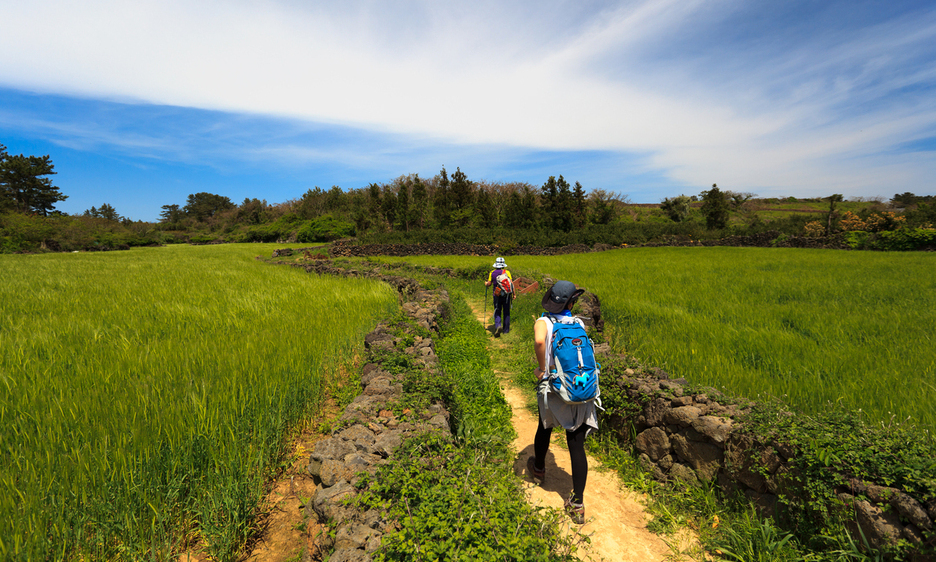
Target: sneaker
(576, 511)
(536, 475)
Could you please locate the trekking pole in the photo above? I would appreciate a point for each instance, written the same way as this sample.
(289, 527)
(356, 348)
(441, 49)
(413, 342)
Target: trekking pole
(485, 305)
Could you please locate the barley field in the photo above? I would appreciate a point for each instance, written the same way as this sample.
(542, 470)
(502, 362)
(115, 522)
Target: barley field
(812, 327)
(145, 395)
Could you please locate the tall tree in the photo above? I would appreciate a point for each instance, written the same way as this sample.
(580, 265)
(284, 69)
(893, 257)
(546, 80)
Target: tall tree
(171, 214)
(374, 211)
(833, 199)
(404, 214)
(485, 215)
(388, 206)
(202, 206)
(420, 201)
(462, 198)
(579, 206)
(23, 185)
(528, 207)
(549, 195)
(714, 208)
(562, 216)
(104, 212)
(442, 201)
(311, 203)
(335, 200)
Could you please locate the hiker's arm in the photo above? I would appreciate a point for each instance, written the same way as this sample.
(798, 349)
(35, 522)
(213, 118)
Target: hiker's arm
(489, 280)
(539, 346)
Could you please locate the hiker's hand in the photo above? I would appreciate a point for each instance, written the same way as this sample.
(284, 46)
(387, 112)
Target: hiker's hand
(539, 372)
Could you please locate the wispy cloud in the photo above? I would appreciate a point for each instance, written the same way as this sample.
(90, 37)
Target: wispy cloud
(795, 97)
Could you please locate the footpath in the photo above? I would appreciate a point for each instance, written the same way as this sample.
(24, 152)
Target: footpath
(615, 519)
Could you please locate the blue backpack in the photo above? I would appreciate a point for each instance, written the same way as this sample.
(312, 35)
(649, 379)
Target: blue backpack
(575, 376)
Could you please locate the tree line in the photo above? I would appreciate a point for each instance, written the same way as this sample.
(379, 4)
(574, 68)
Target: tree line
(410, 203)
(446, 207)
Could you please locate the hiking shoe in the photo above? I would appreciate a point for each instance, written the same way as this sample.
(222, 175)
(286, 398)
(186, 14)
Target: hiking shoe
(497, 332)
(538, 476)
(576, 511)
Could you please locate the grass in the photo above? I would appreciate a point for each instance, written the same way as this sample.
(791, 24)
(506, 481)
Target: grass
(145, 395)
(811, 327)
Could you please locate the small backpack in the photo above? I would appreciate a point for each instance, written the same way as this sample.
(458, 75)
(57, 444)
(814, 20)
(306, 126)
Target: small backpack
(503, 285)
(575, 376)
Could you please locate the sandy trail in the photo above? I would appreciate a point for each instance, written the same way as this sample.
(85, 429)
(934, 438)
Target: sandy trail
(615, 519)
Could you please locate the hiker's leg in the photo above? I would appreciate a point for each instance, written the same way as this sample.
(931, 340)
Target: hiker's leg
(497, 312)
(506, 312)
(541, 444)
(576, 442)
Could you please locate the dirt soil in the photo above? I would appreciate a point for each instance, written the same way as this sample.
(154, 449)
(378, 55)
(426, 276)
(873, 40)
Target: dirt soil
(615, 519)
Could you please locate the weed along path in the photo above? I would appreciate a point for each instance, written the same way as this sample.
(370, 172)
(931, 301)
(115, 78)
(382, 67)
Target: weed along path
(615, 520)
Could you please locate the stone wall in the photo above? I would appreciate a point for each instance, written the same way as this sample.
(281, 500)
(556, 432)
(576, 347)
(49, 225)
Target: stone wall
(345, 248)
(694, 438)
(369, 431)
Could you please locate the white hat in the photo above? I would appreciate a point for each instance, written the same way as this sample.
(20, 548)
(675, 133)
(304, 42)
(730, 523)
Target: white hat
(499, 263)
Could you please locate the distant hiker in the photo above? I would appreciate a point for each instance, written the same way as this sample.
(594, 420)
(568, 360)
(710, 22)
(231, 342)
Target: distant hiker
(578, 418)
(502, 281)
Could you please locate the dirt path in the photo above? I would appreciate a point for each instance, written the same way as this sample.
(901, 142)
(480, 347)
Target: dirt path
(616, 521)
(615, 518)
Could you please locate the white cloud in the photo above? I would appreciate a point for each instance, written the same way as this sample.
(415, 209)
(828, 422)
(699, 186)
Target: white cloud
(550, 75)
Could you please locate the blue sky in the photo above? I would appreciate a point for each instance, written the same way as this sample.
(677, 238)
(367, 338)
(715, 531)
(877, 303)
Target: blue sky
(141, 103)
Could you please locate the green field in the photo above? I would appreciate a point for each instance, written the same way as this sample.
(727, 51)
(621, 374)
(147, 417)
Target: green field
(146, 395)
(812, 327)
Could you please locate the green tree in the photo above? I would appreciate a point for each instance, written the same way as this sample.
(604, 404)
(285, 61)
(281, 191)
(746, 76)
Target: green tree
(388, 207)
(360, 213)
(676, 208)
(714, 208)
(485, 215)
(335, 200)
(105, 211)
(404, 211)
(549, 195)
(311, 203)
(604, 210)
(374, 210)
(23, 185)
(832, 199)
(420, 202)
(202, 206)
(562, 216)
(462, 198)
(252, 211)
(442, 201)
(171, 215)
(579, 207)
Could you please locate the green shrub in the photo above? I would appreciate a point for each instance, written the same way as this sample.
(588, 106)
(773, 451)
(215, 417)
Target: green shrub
(906, 239)
(324, 229)
(857, 239)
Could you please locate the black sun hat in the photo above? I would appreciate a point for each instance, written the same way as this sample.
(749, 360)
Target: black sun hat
(559, 294)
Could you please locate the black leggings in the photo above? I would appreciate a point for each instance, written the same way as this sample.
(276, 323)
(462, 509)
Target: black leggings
(576, 442)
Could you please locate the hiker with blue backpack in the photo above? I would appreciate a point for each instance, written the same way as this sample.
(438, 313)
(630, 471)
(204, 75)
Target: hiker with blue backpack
(502, 281)
(567, 388)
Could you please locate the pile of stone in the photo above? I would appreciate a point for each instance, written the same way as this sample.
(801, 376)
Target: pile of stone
(694, 438)
(370, 432)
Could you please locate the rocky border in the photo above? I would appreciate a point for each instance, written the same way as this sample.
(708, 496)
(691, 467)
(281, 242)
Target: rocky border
(693, 437)
(369, 432)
